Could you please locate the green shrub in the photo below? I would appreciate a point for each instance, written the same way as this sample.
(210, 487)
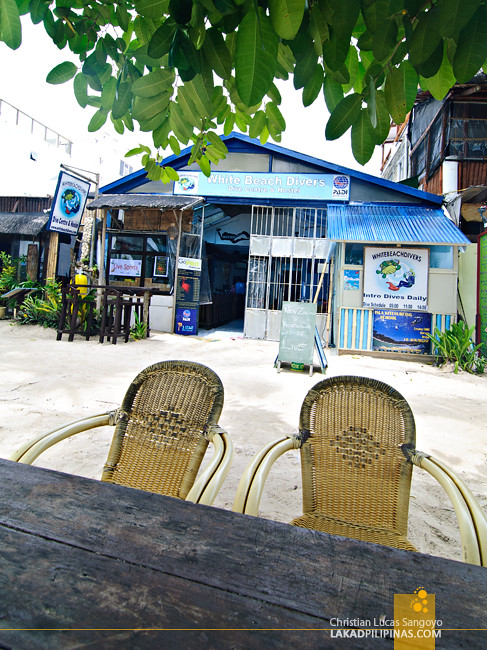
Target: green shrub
(43, 308)
(455, 346)
(138, 331)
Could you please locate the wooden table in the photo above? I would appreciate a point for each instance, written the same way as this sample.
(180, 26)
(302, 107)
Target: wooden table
(87, 564)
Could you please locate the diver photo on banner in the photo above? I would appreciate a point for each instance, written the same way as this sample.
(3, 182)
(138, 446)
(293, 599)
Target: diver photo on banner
(396, 278)
(68, 204)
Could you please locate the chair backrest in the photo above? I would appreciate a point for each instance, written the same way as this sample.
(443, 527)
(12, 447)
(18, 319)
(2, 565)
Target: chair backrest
(352, 463)
(160, 437)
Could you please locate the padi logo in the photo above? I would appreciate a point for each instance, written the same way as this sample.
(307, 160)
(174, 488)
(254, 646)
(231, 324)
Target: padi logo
(340, 182)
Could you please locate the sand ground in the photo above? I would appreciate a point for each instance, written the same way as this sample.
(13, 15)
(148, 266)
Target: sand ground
(44, 383)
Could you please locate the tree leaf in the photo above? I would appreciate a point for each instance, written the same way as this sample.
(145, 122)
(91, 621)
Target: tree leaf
(161, 40)
(385, 39)
(38, 10)
(123, 100)
(274, 117)
(108, 94)
(333, 92)
(217, 53)
(425, 38)
(80, 85)
(343, 116)
(255, 56)
(453, 15)
(400, 91)
(10, 27)
(471, 49)
(314, 86)
(304, 69)
(286, 17)
(98, 120)
(363, 142)
(144, 108)
(154, 83)
(61, 73)
(202, 94)
(257, 125)
(186, 104)
(383, 127)
(142, 148)
(151, 8)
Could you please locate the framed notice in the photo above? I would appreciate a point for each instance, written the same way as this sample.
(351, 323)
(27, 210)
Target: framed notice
(396, 278)
(160, 266)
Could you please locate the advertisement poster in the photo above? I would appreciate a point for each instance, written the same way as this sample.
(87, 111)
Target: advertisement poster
(319, 187)
(187, 296)
(396, 278)
(351, 280)
(482, 293)
(68, 204)
(125, 267)
(401, 331)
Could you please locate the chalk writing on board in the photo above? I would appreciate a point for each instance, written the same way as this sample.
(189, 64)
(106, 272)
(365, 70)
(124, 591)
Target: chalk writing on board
(296, 341)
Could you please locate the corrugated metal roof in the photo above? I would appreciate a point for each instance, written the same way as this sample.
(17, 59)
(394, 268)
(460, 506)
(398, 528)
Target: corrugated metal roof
(158, 201)
(392, 224)
(23, 223)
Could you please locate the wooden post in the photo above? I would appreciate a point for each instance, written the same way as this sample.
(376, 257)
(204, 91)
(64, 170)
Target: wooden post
(52, 256)
(32, 261)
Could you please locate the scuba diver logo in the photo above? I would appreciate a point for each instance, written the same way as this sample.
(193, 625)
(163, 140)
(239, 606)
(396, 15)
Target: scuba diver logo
(70, 202)
(396, 275)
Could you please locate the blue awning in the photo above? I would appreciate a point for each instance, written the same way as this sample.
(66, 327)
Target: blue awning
(392, 224)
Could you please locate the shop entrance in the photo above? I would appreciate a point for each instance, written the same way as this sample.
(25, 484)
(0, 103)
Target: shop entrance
(225, 265)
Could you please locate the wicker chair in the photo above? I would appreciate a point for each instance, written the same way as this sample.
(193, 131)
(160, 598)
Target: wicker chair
(357, 442)
(162, 429)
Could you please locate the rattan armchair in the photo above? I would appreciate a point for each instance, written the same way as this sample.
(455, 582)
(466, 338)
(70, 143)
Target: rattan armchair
(357, 441)
(168, 416)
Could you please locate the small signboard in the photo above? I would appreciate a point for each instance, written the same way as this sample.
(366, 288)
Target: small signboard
(482, 294)
(187, 296)
(68, 204)
(401, 331)
(297, 337)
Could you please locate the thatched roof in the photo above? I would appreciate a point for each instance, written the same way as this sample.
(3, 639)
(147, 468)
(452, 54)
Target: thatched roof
(133, 201)
(23, 223)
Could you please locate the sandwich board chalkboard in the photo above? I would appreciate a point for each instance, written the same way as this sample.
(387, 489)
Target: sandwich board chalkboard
(297, 337)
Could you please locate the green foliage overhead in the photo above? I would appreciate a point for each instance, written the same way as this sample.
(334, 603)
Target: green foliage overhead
(186, 70)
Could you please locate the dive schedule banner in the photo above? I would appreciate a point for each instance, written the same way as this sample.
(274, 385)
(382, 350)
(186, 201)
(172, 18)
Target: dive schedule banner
(396, 278)
(68, 204)
(318, 187)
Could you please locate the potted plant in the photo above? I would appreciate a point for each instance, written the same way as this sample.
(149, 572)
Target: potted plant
(8, 279)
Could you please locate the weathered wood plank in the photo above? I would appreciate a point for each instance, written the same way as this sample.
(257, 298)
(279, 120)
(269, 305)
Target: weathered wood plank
(121, 557)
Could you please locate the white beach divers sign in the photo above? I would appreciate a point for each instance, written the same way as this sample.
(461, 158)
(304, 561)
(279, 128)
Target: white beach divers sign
(68, 204)
(318, 187)
(396, 278)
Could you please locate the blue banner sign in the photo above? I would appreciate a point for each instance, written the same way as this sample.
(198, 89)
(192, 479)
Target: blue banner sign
(314, 187)
(401, 331)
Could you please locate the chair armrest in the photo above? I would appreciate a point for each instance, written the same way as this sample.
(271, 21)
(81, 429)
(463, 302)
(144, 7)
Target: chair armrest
(251, 486)
(32, 449)
(471, 519)
(206, 486)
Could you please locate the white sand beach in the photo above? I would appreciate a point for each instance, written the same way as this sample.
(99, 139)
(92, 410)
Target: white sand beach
(45, 382)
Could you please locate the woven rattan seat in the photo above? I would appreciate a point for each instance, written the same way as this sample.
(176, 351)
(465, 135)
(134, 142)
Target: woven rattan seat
(168, 417)
(357, 443)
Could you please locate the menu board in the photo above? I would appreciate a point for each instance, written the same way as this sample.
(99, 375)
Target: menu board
(296, 341)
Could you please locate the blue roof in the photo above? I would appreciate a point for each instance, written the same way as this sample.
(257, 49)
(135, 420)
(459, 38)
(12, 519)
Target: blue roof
(392, 224)
(238, 142)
